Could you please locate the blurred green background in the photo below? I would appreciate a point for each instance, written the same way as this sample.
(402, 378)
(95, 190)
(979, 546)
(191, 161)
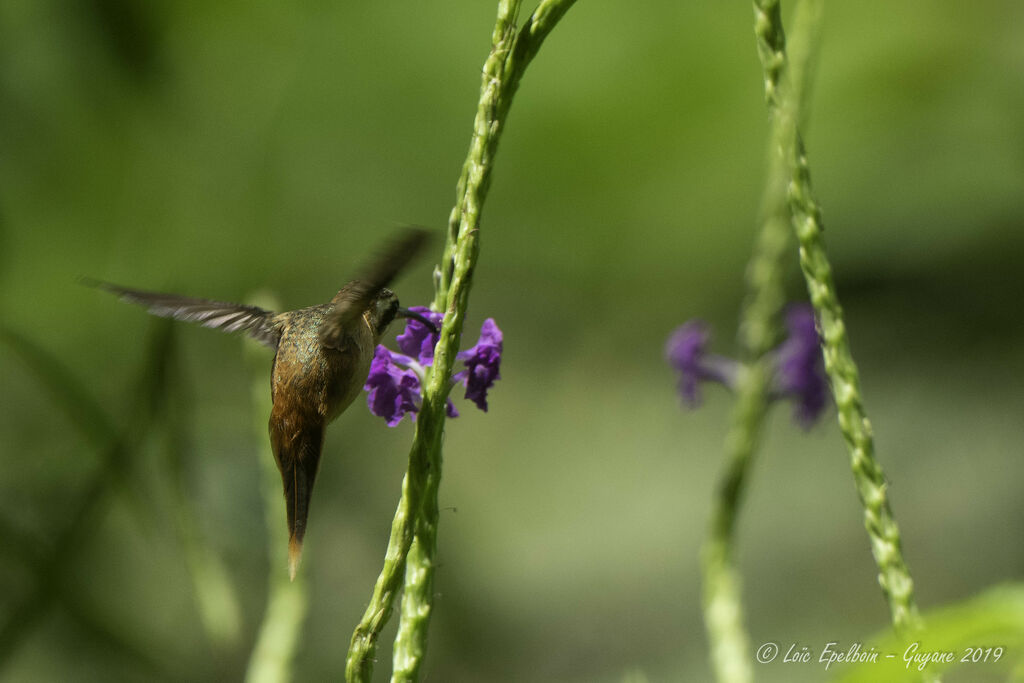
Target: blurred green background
(220, 148)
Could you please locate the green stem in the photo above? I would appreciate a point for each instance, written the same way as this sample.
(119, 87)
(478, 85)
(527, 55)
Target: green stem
(723, 610)
(362, 649)
(215, 593)
(894, 576)
(844, 378)
(413, 538)
(510, 54)
(287, 601)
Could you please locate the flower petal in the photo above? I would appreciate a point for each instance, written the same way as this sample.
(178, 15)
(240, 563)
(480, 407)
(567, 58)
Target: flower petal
(393, 391)
(418, 340)
(686, 351)
(483, 363)
(800, 371)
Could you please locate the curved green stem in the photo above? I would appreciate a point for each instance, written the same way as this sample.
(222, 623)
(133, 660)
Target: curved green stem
(758, 334)
(844, 378)
(893, 574)
(413, 540)
(287, 603)
(511, 53)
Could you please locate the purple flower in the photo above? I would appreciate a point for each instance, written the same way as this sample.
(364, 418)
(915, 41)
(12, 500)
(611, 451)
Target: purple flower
(418, 340)
(686, 352)
(799, 370)
(450, 410)
(393, 391)
(483, 362)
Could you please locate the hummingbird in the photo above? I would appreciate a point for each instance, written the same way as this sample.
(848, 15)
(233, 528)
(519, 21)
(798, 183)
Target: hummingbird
(321, 361)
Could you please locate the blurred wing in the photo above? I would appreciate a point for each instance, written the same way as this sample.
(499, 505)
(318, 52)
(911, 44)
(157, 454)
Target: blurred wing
(359, 295)
(252, 320)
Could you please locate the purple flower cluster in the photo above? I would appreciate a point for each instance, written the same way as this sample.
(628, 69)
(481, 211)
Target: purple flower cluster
(395, 382)
(799, 371)
(483, 362)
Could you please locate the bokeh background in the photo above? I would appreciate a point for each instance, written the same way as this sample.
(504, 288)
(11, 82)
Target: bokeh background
(223, 148)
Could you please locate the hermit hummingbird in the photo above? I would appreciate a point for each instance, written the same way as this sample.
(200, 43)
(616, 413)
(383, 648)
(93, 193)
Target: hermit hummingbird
(321, 362)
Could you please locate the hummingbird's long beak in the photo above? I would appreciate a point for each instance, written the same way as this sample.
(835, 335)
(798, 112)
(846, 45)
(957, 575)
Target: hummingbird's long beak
(406, 313)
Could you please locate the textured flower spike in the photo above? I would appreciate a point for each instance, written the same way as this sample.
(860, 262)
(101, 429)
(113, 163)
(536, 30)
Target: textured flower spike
(799, 369)
(395, 390)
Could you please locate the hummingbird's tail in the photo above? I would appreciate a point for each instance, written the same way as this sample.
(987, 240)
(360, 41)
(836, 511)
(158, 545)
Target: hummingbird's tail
(297, 451)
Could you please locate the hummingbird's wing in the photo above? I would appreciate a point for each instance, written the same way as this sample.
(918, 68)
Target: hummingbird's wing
(254, 321)
(358, 295)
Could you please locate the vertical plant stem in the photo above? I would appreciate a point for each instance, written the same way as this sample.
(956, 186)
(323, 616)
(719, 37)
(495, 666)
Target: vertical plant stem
(723, 610)
(363, 647)
(511, 53)
(758, 334)
(413, 540)
(503, 70)
(844, 378)
(215, 593)
(287, 601)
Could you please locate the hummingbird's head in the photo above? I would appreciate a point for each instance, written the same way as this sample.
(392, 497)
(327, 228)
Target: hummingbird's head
(383, 311)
